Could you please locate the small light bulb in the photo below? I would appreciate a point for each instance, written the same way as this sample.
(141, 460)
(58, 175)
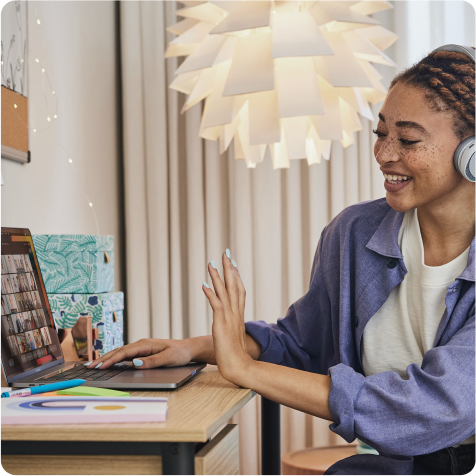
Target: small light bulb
(22, 60)
(90, 204)
(70, 161)
(15, 106)
(2, 62)
(52, 92)
(42, 70)
(38, 21)
(274, 11)
(37, 60)
(48, 119)
(34, 130)
(55, 116)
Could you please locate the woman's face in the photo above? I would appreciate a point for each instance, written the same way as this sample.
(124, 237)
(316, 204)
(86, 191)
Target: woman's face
(414, 149)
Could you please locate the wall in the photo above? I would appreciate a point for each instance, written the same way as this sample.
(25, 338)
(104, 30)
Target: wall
(76, 44)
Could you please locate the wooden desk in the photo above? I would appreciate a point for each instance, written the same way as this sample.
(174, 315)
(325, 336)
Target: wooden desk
(181, 445)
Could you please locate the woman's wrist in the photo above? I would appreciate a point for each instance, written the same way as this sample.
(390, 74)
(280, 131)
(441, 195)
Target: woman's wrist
(202, 349)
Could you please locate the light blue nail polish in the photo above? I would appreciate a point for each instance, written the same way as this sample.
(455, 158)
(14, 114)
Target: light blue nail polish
(98, 365)
(228, 254)
(88, 363)
(138, 362)
(212, 262)
(233, 263)
(206, 285)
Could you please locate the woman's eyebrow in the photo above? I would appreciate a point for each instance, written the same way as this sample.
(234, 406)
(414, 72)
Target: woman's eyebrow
(407, 124)
(413, 125)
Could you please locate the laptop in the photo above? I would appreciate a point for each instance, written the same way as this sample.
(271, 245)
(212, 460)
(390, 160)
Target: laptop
(31, 351)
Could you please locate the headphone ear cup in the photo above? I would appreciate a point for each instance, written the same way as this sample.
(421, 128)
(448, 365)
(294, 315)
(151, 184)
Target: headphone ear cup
(464, 160)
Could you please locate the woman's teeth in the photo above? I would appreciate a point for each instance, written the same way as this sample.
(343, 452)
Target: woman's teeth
(396, 178)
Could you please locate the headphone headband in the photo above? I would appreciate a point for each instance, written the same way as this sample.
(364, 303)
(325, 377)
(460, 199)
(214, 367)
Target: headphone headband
(467, 50)
(463, 158)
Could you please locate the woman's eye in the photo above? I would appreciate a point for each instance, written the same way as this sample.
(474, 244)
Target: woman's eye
(408, 142)
(378, 133)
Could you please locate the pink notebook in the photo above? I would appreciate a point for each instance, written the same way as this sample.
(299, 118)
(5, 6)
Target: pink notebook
(43, 410)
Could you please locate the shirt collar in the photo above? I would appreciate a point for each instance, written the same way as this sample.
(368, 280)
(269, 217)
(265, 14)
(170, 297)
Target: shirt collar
(385, 239)
(385, 242)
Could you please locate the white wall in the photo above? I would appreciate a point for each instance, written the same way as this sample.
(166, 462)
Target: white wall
(76, 44)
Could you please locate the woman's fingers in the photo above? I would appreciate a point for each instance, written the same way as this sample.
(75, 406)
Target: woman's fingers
(128, 352)
(230, 281)
(241, 289)
(218, 285)
(166, 358)
(215, 303)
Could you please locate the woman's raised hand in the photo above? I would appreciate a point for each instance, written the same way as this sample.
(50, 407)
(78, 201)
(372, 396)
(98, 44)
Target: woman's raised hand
(228, 329)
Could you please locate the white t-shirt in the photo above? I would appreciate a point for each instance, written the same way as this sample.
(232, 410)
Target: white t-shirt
(404, 328)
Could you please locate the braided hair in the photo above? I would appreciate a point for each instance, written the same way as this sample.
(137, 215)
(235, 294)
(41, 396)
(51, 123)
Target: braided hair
(447, 77)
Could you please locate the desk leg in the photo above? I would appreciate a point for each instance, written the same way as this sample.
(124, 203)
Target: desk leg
(270, 437)
(178, 458)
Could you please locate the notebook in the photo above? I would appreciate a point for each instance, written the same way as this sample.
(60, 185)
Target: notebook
(42, 410)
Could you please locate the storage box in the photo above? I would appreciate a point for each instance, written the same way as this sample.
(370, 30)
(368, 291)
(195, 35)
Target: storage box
(76, 263)
(107, 312)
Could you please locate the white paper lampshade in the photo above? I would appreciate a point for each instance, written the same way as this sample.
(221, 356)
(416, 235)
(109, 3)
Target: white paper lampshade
(280, 78)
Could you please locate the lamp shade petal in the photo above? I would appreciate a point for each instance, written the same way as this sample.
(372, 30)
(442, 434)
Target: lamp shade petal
(298, 88)
(297, 34)
(252, 67)
(245, 15)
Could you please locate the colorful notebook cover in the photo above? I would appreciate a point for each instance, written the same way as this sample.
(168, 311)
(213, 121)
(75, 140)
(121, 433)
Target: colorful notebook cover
(72, 410)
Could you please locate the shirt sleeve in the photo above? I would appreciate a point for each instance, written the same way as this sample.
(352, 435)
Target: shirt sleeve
(431, 410)
(291, 342)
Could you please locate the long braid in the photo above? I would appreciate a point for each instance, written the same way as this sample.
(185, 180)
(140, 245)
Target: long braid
(448, 78)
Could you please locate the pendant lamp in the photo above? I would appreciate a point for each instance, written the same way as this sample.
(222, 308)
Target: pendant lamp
(282, 78)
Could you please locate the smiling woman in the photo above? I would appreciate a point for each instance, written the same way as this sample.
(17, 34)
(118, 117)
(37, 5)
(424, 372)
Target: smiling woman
(382, 344)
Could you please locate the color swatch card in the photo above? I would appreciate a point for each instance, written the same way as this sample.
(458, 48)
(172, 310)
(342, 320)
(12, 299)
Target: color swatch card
(62, 410)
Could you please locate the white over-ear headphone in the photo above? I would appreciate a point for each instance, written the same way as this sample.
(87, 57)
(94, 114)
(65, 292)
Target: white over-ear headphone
(463, 157)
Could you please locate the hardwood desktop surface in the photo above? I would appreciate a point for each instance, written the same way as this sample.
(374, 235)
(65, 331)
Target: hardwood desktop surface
(195, 411)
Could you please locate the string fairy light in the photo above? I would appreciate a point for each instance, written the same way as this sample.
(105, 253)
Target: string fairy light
(50, 122)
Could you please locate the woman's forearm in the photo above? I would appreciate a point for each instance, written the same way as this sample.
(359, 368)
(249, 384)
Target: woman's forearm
(304, 391)
(202, 349)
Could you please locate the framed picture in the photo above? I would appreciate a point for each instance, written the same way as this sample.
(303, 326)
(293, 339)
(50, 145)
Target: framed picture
(14, 80)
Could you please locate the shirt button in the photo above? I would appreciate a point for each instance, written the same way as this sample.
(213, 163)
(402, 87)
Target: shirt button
(391, 263)
(356, 321)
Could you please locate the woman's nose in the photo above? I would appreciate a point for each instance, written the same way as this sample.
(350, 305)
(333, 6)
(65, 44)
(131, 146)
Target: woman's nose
(386, 151)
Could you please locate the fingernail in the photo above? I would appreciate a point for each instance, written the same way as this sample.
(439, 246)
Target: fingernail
(88, 363)
(228, 254)
(206, 285)
(233, 263)
(98, 365)
(212, 262)
(137, 362)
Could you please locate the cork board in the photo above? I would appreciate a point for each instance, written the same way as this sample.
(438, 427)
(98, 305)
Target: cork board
(14, 120)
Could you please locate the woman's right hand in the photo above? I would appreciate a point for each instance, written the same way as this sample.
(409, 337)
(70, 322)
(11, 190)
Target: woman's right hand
(151, 352)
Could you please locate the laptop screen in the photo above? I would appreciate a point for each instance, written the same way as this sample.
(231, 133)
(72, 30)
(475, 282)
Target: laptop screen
(29, 337)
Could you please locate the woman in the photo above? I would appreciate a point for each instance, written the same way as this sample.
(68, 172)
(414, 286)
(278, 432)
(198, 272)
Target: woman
(382, 344)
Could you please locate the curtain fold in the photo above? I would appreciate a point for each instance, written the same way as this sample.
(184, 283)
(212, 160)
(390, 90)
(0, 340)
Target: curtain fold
(185, 204)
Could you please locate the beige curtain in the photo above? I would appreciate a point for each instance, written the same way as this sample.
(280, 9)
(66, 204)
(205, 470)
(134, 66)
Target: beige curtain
(184, 204)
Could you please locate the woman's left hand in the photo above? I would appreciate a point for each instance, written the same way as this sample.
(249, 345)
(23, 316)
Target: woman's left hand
(228, 329)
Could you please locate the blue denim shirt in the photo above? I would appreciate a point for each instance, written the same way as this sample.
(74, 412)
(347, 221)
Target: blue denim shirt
(357, 264)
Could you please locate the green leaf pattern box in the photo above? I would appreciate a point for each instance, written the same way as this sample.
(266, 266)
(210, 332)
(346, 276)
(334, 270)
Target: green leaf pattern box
(67, 308)
(76, 263)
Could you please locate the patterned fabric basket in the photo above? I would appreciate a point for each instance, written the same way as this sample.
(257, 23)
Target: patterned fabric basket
(76, 263)
(106, 310)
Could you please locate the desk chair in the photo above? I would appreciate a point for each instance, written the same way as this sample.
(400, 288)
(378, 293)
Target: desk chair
(315, 460)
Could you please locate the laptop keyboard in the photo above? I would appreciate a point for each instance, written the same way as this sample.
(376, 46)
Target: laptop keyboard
(84, 373)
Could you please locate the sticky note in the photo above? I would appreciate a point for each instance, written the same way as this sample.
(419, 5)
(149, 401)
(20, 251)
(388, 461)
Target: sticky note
(92, 392)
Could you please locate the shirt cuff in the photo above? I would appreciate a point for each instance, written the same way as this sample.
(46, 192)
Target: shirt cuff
(346, 384)
(271, 350)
